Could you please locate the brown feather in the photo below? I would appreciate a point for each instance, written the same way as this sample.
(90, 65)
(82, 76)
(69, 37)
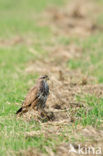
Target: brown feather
(36, 96)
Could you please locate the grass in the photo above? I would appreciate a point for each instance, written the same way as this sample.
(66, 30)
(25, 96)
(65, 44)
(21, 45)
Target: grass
(93, 115)
(19, 19)
(90, 62)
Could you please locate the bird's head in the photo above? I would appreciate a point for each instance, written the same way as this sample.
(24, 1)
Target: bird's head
(44, 77)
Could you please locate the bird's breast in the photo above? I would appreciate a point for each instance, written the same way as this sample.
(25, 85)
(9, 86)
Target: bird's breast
(46, 89)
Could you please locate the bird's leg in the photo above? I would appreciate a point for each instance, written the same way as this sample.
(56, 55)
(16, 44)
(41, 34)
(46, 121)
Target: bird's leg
(35, 107)
(43, 113)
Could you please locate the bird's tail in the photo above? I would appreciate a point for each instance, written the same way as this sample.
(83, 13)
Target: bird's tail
(19, 111)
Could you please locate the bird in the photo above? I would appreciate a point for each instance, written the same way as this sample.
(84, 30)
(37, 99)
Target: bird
(37, 96)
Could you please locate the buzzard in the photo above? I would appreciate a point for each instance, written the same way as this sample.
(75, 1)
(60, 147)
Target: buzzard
(37, 96)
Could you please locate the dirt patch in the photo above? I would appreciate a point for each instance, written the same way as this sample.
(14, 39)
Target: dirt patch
(61, 84)
(88, 133)
(30, 152)
(65, 85)
(75, 19)
(91, 142)
(15, 41)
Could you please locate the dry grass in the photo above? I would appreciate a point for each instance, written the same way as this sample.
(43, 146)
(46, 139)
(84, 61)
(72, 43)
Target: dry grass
(76, 19)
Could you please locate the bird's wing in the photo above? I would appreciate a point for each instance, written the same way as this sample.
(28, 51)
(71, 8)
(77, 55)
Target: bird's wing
(32, 95)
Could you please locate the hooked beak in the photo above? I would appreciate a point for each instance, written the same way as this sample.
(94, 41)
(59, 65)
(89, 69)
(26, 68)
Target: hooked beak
(47, 78)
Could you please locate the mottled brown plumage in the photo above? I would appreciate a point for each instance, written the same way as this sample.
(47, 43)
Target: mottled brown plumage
(37, 96)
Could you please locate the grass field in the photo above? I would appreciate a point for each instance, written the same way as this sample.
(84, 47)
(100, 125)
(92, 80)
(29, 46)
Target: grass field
(22, 42)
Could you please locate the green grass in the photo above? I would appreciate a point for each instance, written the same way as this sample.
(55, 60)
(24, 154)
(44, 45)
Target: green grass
(93, 113)
(20, 17)
(90, 62)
